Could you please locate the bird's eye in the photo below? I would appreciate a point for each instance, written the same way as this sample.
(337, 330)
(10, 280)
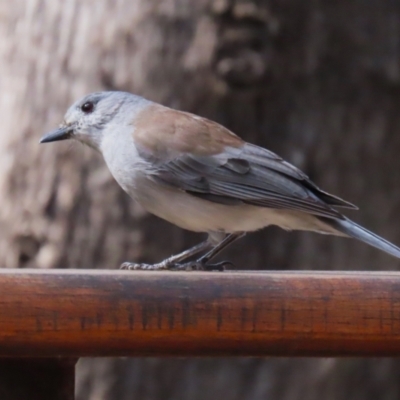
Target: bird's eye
(87, 107)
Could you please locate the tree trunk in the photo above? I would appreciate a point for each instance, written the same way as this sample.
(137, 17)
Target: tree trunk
(315, 81)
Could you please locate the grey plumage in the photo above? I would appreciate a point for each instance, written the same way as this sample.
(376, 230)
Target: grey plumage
(350, 228)
(198, 175)
(253, 176)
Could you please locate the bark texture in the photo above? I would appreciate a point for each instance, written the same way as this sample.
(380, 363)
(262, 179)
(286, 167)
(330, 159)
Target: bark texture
(316, 81)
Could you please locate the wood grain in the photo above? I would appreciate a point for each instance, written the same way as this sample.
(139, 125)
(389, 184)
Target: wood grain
(75, 313)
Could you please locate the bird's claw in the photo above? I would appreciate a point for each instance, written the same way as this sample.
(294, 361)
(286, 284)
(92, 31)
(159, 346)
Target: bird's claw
(197, 265)
(131, 266)
(200, 265)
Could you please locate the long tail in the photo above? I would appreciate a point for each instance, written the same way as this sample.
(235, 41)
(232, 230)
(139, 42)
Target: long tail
(355, 231)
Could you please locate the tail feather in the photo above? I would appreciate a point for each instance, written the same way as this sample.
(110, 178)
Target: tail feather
(355, 231)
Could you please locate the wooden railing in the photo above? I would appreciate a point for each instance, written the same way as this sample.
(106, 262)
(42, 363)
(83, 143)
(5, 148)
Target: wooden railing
(50, 318)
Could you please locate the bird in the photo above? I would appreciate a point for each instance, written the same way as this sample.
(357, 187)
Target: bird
(200, 176)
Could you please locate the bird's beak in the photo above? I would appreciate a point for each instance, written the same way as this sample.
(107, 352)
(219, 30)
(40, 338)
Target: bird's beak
(62, 133)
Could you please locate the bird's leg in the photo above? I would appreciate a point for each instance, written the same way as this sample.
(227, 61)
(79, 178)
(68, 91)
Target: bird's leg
(202, 264)
(170, 262)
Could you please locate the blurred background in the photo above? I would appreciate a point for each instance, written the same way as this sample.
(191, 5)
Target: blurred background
(316, 81)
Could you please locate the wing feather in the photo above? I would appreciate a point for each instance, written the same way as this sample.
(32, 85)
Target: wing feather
(235, 177)
(206, 160)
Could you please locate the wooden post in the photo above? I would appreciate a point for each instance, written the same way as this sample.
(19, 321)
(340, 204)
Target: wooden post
(49, 318)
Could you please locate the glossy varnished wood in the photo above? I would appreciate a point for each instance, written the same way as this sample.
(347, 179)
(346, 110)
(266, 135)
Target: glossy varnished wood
(74, 313)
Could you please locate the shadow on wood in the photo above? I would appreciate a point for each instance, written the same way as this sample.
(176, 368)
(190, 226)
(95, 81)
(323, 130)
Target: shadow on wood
(37, 379)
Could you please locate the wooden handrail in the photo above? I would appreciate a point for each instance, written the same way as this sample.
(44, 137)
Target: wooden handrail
(73, 313)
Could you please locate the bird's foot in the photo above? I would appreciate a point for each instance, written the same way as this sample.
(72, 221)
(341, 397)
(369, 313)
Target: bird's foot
(201, 265)
(131, 266)
(197, 265)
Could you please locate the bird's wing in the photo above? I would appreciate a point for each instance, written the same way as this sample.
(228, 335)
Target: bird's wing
(163, 134)
(222, 168)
